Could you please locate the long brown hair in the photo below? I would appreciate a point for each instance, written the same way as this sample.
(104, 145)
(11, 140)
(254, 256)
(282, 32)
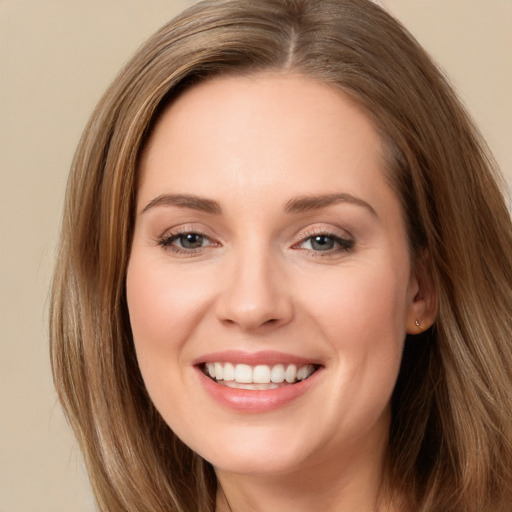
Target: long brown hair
(451, 436)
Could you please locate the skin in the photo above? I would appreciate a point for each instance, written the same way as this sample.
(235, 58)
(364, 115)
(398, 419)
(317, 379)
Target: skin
(253, 144)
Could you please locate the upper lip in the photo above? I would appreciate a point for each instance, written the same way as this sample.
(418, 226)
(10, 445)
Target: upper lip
(267, 357)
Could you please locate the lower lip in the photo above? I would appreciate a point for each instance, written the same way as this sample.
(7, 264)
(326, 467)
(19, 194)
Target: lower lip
(256, 401)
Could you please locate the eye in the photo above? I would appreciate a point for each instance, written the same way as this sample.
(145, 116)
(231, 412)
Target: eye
(320, 243)
(190, 240)
(326, 243)
(186, 242)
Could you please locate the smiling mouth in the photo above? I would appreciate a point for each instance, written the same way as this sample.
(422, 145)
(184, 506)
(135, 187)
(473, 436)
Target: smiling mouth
(259, 377)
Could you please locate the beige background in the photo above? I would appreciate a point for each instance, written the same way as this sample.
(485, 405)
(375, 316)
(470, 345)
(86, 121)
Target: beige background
(56, 58)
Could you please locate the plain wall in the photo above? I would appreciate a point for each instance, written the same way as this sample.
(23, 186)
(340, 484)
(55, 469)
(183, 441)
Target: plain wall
(56, 58)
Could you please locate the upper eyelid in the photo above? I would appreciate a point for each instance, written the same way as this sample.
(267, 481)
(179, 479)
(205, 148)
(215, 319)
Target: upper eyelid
(316, 230)
(177, 234)
(166, 242)
(186, 228)
(341, 240)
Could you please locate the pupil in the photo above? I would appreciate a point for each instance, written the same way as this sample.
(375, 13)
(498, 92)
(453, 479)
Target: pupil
(191, 241)
(322, 243)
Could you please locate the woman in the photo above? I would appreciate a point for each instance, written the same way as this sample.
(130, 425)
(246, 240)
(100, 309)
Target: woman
(285, 274)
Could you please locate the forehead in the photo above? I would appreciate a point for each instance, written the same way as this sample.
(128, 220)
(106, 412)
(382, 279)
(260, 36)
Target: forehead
(262, 131)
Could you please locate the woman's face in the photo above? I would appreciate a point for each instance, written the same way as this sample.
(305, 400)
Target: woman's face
(269, 252)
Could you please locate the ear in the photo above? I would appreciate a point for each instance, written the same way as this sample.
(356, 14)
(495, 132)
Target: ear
(423, 299)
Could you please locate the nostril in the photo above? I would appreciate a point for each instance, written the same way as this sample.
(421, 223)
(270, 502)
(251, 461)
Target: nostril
(252, 306)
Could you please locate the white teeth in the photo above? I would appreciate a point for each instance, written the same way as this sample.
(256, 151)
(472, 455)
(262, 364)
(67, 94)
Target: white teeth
(261, 374)
(229, 372)
(219, 374)
(277, 373)
(243, 374)
(291, 373)
(257, 387)
(304, 372)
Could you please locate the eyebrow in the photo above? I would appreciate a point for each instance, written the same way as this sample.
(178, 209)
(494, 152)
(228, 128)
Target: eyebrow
(316, 202)
(295, 205)
(185, 201)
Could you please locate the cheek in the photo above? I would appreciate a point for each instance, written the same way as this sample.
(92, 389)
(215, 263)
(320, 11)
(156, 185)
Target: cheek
(163, 301)
(163, 306)
(152, 309)
(362, 302)
(362, 314)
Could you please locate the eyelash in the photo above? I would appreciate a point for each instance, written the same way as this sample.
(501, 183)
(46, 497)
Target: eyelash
(343, 244)
(167, 240)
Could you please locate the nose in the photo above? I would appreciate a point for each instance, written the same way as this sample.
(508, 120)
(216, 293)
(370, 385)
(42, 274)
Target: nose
(255, 294)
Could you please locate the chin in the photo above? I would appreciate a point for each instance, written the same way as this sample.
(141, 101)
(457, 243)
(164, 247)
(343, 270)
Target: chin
(257, 464)
(262, 450)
